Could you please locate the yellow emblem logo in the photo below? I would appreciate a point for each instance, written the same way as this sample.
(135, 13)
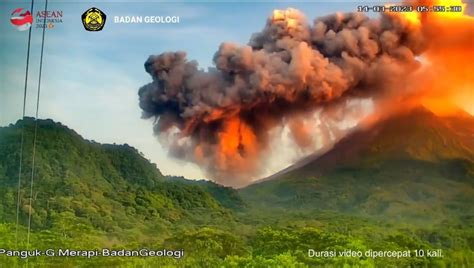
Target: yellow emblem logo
(93, 19)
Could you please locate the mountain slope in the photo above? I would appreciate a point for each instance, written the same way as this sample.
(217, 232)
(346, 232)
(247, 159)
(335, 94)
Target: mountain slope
(112, 188)
(414, 165)
(93, 196)
(227, 196)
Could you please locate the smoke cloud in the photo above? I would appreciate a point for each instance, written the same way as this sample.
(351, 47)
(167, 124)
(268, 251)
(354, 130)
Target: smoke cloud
(222, 118)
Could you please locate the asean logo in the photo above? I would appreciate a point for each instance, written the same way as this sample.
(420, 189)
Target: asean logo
(21, 21)
(93, 19)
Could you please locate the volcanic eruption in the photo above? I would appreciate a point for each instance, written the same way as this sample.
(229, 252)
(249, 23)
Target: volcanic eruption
(304, 77)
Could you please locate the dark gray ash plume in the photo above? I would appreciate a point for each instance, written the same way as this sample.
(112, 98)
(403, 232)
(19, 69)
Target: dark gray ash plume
(220, 118)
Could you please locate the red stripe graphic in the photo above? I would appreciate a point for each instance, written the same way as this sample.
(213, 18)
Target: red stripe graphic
(20, 21)
(17, 10)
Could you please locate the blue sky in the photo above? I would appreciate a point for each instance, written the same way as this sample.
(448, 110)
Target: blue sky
(90, 79)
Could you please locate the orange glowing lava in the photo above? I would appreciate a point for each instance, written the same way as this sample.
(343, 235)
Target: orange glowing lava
(237, 146)
(446, 79)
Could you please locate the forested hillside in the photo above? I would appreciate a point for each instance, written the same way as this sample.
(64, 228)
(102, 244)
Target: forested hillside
(88, 195)
(109, 188)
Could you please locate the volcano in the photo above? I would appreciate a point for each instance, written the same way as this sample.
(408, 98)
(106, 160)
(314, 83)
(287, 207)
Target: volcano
(413, 165)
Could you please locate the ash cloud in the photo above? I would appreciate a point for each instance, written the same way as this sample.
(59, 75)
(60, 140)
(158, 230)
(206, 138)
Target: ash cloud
(221, 118)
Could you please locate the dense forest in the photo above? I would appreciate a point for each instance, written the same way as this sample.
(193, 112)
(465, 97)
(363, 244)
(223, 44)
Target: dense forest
(92, 196)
